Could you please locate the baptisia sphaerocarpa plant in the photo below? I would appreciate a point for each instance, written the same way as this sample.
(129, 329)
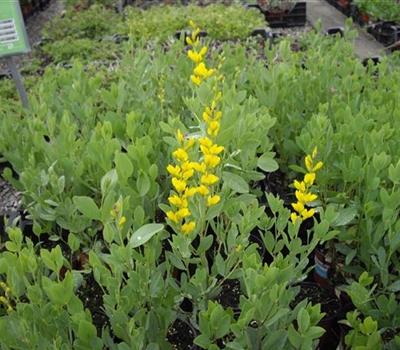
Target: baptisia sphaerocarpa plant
(212, 239)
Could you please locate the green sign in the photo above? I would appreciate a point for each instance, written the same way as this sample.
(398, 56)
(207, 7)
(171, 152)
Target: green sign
(13, 39)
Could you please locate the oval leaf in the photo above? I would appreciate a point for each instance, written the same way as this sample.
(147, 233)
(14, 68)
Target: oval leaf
(235, 182)
(142, 235)
(87, 207)
(266, 163)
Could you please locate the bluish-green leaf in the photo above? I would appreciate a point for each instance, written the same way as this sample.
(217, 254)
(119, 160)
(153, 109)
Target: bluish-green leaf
(142, 235)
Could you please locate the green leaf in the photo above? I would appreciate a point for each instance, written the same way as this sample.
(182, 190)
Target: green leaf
(124, 165)
(345, 217)
(142, 235)
(143, 184)
(267, 163)
(223, 326)
(202, 341)
(48, 260)
(73, 242)
(235, 182)
(174, 260)
(86, 331)
(108, 232)
(109, 181)
(87, 207)
(303, 320)
(394, 287)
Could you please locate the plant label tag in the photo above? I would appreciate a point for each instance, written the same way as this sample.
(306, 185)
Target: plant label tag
(13, 38)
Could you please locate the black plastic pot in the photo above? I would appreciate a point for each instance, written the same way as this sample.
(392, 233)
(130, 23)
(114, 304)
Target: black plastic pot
(294, 17)
(386, 32)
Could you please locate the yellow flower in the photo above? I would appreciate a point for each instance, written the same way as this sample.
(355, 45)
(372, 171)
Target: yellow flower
(181, 155)
(180, 137)
(209, 179)
(3, 285)
(308, 161)
(301, 186)
(194, 56)
(215, 149)
(188, 227)
(182, 213)
(189, 41)
(203, 51)
(174, 170)
(202, 71)
(294, 217)
(317, 166)
(299, 207)
(10, 309)
(309, 197)
(188, 174)
(122, 221)
(175, 200)
(203, 190)
(314, 152)
(4, 300)
(195, 80)
(179, 185)
(218, 115)
(172, 216)
(213, 200)
(206, 117)
(189, 192)
(305, 214)
(201, 168)
(213, 129)
(309, 179)
(189, 144)
(211, 160)
(238, 248)
(206, 142)
(113, 213)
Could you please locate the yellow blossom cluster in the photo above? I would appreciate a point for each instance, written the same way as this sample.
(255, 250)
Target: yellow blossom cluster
(303, 194)
(184, 182)
(6, 298)
(196, 54)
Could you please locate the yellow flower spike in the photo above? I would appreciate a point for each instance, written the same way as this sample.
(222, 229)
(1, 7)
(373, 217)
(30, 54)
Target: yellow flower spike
(318, 166)
(180, 137)
(309, 179)
(122, 221)
(203, 190)
(182, 213)
(305, 214)
(175, 200)
(294, 217)
(188, 227)
(308, 161)
(179, 185)
(174, 170)
(209, 179)
(211, 160)
(181, 155)
(172, 216)
(213, 200)
(301, 186)
(299, 207)
(195, 80)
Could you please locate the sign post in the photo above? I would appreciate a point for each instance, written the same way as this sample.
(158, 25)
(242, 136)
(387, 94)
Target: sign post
(13, 40)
